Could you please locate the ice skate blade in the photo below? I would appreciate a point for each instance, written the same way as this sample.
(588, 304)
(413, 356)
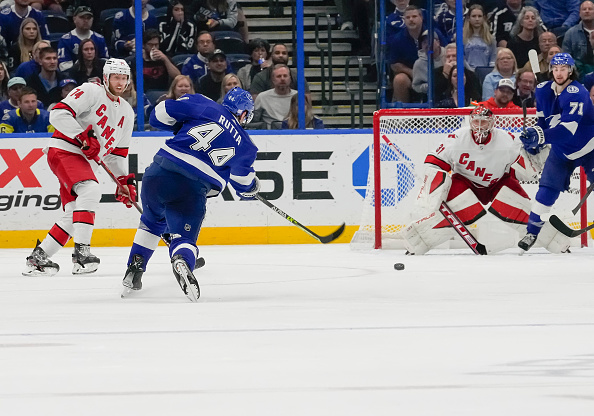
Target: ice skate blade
(191, 290)
(86, 269)
(128, 292)
(34, 271)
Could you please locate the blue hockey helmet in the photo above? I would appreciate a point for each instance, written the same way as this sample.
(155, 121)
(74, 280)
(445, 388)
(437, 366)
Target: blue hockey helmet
(562, 58)
(237, 101)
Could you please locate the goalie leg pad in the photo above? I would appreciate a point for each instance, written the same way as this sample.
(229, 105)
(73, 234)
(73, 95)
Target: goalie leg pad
(435, 188)
(511, 207)
(551, 239)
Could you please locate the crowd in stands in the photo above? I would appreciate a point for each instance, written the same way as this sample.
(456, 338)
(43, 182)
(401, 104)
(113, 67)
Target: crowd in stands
(497, 36)
(49, 47)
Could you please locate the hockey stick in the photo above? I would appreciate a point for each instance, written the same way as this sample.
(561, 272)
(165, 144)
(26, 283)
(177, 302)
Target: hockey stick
(200, 262)
(322, 239)
(566, 229)
(462, 230)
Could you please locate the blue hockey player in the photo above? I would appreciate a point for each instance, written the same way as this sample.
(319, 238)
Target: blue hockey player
(209, 149)
(566, 122)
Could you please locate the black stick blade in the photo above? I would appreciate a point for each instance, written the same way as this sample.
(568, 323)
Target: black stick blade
(566, 229)
(329, 238)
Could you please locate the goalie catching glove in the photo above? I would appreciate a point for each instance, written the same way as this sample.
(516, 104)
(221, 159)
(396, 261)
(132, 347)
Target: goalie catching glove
(251, 194)
(90, 145)
(127, 195)
(533, 139)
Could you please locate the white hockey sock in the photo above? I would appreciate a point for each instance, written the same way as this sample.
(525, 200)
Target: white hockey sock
(83, 217)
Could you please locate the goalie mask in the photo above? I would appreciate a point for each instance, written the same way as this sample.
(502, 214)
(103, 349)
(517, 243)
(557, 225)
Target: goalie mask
(237, 101)
(115, 66)
(482, 121)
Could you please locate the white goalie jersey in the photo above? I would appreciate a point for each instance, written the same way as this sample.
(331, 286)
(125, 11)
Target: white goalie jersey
(483, 164)
(112, 121)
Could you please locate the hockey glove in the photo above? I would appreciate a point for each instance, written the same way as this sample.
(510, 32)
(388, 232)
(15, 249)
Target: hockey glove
(129, 184)
(251, 194)
(533, 139)
(90, 145)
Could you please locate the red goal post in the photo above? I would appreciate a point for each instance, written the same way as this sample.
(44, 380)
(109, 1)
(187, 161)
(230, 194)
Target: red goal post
(401, 140)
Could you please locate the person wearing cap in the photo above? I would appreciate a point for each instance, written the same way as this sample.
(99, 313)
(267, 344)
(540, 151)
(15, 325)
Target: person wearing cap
(27, 118)
(12, 17)
(14, 90)
(69, 43)
(66, 85)
(158, 71)
(124, 32)
(210, 83)
(504, 93)
(420, 83)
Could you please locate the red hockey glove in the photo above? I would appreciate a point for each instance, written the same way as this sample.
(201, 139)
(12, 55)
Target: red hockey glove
(129, 186)
(90, 145)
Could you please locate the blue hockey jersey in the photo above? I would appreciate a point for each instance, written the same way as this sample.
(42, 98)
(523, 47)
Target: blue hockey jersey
(11, 23)
(13, 122)
(68, 48)
(124, 30)
(6, 107)
(209, 143)
(567, 119)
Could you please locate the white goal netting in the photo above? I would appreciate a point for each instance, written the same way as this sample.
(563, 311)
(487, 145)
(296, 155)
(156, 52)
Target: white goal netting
(402, 139)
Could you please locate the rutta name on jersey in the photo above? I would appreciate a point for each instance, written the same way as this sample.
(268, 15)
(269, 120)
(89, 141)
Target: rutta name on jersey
(479, 172)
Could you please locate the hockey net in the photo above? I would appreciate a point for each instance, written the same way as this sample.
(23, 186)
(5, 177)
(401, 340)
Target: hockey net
(401, 140)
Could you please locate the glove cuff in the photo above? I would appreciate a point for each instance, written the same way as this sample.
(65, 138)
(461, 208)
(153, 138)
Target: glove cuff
(540, 132)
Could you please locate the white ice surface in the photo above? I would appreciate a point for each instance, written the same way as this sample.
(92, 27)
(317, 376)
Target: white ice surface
(303, 330)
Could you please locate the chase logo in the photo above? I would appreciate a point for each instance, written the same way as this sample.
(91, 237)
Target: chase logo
(397, 170)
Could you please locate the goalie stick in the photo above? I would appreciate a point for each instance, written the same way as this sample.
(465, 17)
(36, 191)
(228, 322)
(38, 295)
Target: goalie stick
(322, 239)
(462, 230)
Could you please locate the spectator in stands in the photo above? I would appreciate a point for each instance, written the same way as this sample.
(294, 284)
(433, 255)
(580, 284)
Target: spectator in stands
(259, 51)
(263, 80)
(345, 15)
(503, 20)
(124, 29)
(546, 40)
(3, 48)
(592, 94)
(445, 19)
(403, 52)
(558, 15)
(450, 98)
(525, 34)
(441, 77)
(229, 82)
(292, 120)
(131, 96)
(420, 78)
(216, 14)
(70, 42)
(178, 34)
(66, 85)
(158, 69)
(544, 75)
(395, 20)
(504, 93)
(88, 67)
(4, 78)
(22, 50)
(489, 6)
(12, 17)
(577, 41)
(479, 44)
(27, 118)
(14, 90)
(505, 67)
(182, 84)
(47, 81)
(26, 69)
(274, 104)
(525, 86)
(197, 65)
(210, 83)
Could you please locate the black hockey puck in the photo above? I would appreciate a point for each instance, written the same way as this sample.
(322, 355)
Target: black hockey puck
(200, 262)
(398, 266)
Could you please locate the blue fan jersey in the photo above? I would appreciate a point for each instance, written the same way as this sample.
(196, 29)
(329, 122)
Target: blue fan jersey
(124, 30)
(13, 122)
(68, 48)
(11, 23)
(567, 119)
(209, 143)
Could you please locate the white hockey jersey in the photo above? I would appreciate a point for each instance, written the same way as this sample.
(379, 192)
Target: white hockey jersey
(483, 164)
(112, 121)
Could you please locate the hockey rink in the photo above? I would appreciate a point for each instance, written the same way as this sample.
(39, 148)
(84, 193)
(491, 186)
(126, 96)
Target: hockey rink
(303, 330)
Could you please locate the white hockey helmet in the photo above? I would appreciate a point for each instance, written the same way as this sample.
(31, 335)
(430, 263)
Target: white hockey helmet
(115, 66)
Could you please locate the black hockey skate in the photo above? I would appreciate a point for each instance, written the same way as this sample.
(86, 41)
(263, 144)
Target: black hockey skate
(83, 261)
(527, 242)
(185, 278)
(133, 277)
(39, 264)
